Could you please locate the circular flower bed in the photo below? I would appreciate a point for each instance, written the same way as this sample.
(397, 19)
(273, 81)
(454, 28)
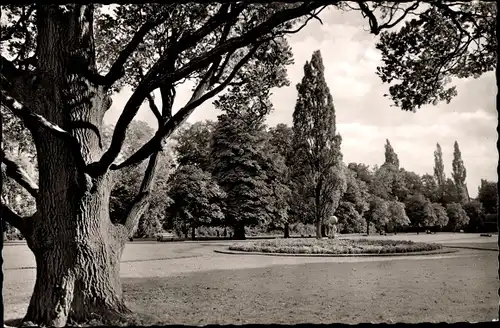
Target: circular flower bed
(334, 246)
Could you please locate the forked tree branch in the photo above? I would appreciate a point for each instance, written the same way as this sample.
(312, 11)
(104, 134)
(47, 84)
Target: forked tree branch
(146, 86)
(154, 79)
(18, 174)
(167, 99)
(238, 42)
(197, 99)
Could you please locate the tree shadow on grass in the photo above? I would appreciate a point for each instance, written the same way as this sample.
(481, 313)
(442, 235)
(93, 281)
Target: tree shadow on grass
(134, 319)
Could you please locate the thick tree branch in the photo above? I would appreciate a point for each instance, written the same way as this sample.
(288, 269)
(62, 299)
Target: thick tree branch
(153, 79)
(375, 28)
(151, 101)
(17, 83)
(17, 221)
(141, 201)
(117, 70)
(197, 99)
(18, 174)
(238, 42)
(167, 99)
(33, 120)
(154, 108)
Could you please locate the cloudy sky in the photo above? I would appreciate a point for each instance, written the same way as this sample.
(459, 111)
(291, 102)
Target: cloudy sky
(364, 117)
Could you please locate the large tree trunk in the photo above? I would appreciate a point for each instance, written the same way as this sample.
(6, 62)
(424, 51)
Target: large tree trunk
(318, 229)
(287, 230)
(239, 232)
(78, 261)
(76, 246)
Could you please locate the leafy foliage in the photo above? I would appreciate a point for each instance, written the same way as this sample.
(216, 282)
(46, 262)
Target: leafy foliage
(475, 212)
(378, 213)
(391, 158)
(362, 172)
(350, 220)
(128, 182)
(445, 40)
(397, 215)
(197, 200)
(439, 169)
(245, 171)
(430, 188)
(420, 211)
(449, 192)
(459, 174)
(441, 215)
(457, 216)
(488, 196)
(356, 192)
(194, 145)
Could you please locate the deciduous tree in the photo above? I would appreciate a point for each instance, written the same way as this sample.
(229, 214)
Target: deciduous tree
(397, 216)
(475, 212)
(377, 214)
(430, 188)
(318, 159)
(194, 145)
(420, 211)
(457, 216)
(280, 140)
(488, 196)
(441, 215)
(248, 173)
(439, 174)
(459, 175)
(449, 192)
(197, 200)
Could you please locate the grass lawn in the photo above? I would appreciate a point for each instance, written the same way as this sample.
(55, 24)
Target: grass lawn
(410, 291)
(334, 246)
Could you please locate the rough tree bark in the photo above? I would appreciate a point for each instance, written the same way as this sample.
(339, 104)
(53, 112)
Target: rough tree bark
(76, 246)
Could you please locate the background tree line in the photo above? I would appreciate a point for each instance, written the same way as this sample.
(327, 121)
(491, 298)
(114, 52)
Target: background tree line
(238, 175)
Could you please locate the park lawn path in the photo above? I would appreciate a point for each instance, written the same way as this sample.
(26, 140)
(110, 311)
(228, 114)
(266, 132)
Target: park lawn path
(149, 264)
(444, 290)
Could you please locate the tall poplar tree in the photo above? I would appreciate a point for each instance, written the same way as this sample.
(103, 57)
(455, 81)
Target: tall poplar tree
(439, 170)
(459, 175)
(391, 158)
(318, 159)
